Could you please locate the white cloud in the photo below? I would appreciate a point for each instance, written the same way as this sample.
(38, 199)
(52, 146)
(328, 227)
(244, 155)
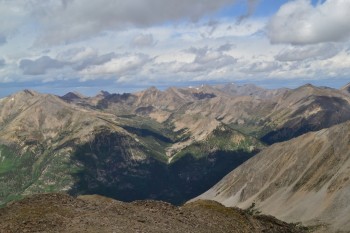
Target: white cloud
(299, 22)
(142, 41)
(313, 52)
(124, 64)
(199, 62)
(261, 67)
(79, 19)
(82, 58)
(77, 54)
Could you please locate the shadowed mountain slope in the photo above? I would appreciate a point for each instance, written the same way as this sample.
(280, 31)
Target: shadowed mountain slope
(48, 145)
(306, 179)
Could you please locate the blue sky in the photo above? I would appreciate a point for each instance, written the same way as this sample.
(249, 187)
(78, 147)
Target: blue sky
(77, 45)
(262, 8)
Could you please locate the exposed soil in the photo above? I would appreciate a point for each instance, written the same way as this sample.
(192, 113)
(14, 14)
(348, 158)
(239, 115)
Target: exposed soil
(63, 213)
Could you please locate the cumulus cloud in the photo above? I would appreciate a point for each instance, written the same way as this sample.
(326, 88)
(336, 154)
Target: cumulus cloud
(77, 54)
(310, 52)
(82, 58)
(143, 40)
(39, 66)
(120, 65)
(261, 67)
(93, 61)
(79, 19)
(86, 62)
(299, 22)
(205, 60)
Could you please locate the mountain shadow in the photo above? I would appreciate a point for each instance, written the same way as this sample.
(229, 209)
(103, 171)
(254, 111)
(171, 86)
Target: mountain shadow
(110, 166)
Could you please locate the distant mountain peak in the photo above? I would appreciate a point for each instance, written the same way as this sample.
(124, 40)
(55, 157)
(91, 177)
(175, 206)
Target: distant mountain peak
(103, 93)
(346, 88)
(72, 96)
(152, 88)
(150, 91)
(309, 88)
(26, 94)
(30, 92)
(308, 85)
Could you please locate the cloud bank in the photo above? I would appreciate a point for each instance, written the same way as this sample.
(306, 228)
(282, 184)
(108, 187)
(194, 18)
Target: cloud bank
(313, 52)
(78, 19)
(299, 22)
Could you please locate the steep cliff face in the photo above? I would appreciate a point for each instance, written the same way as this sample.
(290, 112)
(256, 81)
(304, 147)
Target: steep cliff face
(306, 179)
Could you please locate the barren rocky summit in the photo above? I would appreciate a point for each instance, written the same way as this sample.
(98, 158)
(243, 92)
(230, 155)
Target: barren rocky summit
(63, 213)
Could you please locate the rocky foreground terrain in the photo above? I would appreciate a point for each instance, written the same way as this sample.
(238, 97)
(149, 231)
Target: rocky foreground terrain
(63, 213)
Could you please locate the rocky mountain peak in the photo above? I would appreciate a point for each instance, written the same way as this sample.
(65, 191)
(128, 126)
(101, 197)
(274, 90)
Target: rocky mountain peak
(25, 93)
(152, 89)
(70, 96)
(346, 88)
(30, 92)
(149, 92)
(103, 93)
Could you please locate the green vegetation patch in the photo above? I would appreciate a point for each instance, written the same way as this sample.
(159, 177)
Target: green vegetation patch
(223, 138)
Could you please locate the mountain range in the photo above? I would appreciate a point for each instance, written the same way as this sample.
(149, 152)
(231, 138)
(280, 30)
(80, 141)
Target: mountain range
(175, 144)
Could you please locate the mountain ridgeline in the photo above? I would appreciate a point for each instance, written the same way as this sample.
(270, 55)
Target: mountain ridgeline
(306, 179)
(167, 145)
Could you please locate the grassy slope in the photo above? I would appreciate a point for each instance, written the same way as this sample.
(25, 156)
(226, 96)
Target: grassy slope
(126, 167)
(225, 139)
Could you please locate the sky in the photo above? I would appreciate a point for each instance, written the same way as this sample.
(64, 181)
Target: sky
(56, 46)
